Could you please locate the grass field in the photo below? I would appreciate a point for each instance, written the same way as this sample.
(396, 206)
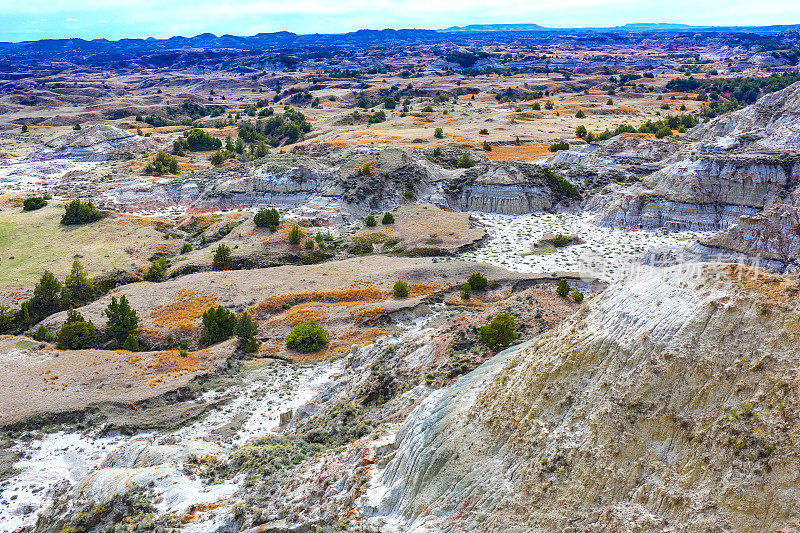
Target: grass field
(32, 242)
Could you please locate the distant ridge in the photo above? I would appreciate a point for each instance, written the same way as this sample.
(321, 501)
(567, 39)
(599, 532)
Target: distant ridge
(632, 27)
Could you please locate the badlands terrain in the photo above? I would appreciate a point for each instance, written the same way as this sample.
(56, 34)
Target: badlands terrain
(494, 278)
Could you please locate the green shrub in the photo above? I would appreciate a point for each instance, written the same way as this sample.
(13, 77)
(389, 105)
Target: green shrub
(122, 318)
(563, 288)
(131, 344)
(163, 164)
(246, 328)
(427, 109)
(157, 270)
(437, 152)
(307, 338)
(197, 140)
(46, 298)
(267, 218)
(186, 248)
(499, 333)
(401, 289)
(252, 345)
(560, 241)
(370, 221)
(78, 288)
(561, 184)
(219, 324)
(295, 235)
(466, 291)
(220, 156)
(42, 334)
(222, 258)
(77, 212)
(465, 161)
(561, 145)
(309, 244)
(577, 295)
(76, 333)
(388, 218)
(33, 203)
(580, 131)
(580, 114)
(486, 146)
(438, 133)
(477, 281)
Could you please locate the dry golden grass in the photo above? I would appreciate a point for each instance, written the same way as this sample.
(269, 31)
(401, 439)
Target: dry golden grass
(522, 152)
(184, 312)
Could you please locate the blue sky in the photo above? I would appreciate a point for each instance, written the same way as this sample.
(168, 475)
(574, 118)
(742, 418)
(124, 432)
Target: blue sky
(115, 19)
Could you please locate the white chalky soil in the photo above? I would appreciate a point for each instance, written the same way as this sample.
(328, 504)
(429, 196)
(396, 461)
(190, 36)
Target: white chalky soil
(606, 253)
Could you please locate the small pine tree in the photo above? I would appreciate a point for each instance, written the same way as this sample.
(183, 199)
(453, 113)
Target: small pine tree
(267, 218)
(577, 295)
(122, 318)
(295, 235)
(370, 221)
(78, 288)
(157, 270)
(388, 218)
(486, 146)
(563, 288)
(222, 258)
(401, 289)
(477, 281)
(580, 114)
(42, 334)
(252, 345)
(466, 291)
(219, 324)
(131, 344)
(246, 328)
(46, 297)
(499, 333)
(438, 133)
(76, 333)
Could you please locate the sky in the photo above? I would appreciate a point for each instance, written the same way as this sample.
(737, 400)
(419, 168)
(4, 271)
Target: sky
(115, 19)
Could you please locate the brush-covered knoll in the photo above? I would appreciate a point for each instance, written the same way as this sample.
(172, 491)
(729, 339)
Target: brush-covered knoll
(421, 230)
(670, 400)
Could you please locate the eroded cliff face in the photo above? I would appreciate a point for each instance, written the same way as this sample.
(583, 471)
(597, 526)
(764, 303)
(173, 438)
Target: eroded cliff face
(667, 403)
(736, 165)
(707, 192)
(772, 237)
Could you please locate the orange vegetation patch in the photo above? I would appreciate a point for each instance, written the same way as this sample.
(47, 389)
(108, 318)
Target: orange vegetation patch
(281, 235)
(353, 295)
(183, 313)
(300, 314)
(525, 151)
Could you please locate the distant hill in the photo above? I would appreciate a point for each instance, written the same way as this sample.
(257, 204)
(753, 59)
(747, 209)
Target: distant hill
(633, 27)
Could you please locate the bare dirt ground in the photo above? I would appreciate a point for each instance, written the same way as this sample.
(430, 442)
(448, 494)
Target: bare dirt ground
(36, 378)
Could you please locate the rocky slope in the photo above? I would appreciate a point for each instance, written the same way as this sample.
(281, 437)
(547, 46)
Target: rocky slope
(666, 404)
(343, 185)
(99, 142)
(737, 164)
